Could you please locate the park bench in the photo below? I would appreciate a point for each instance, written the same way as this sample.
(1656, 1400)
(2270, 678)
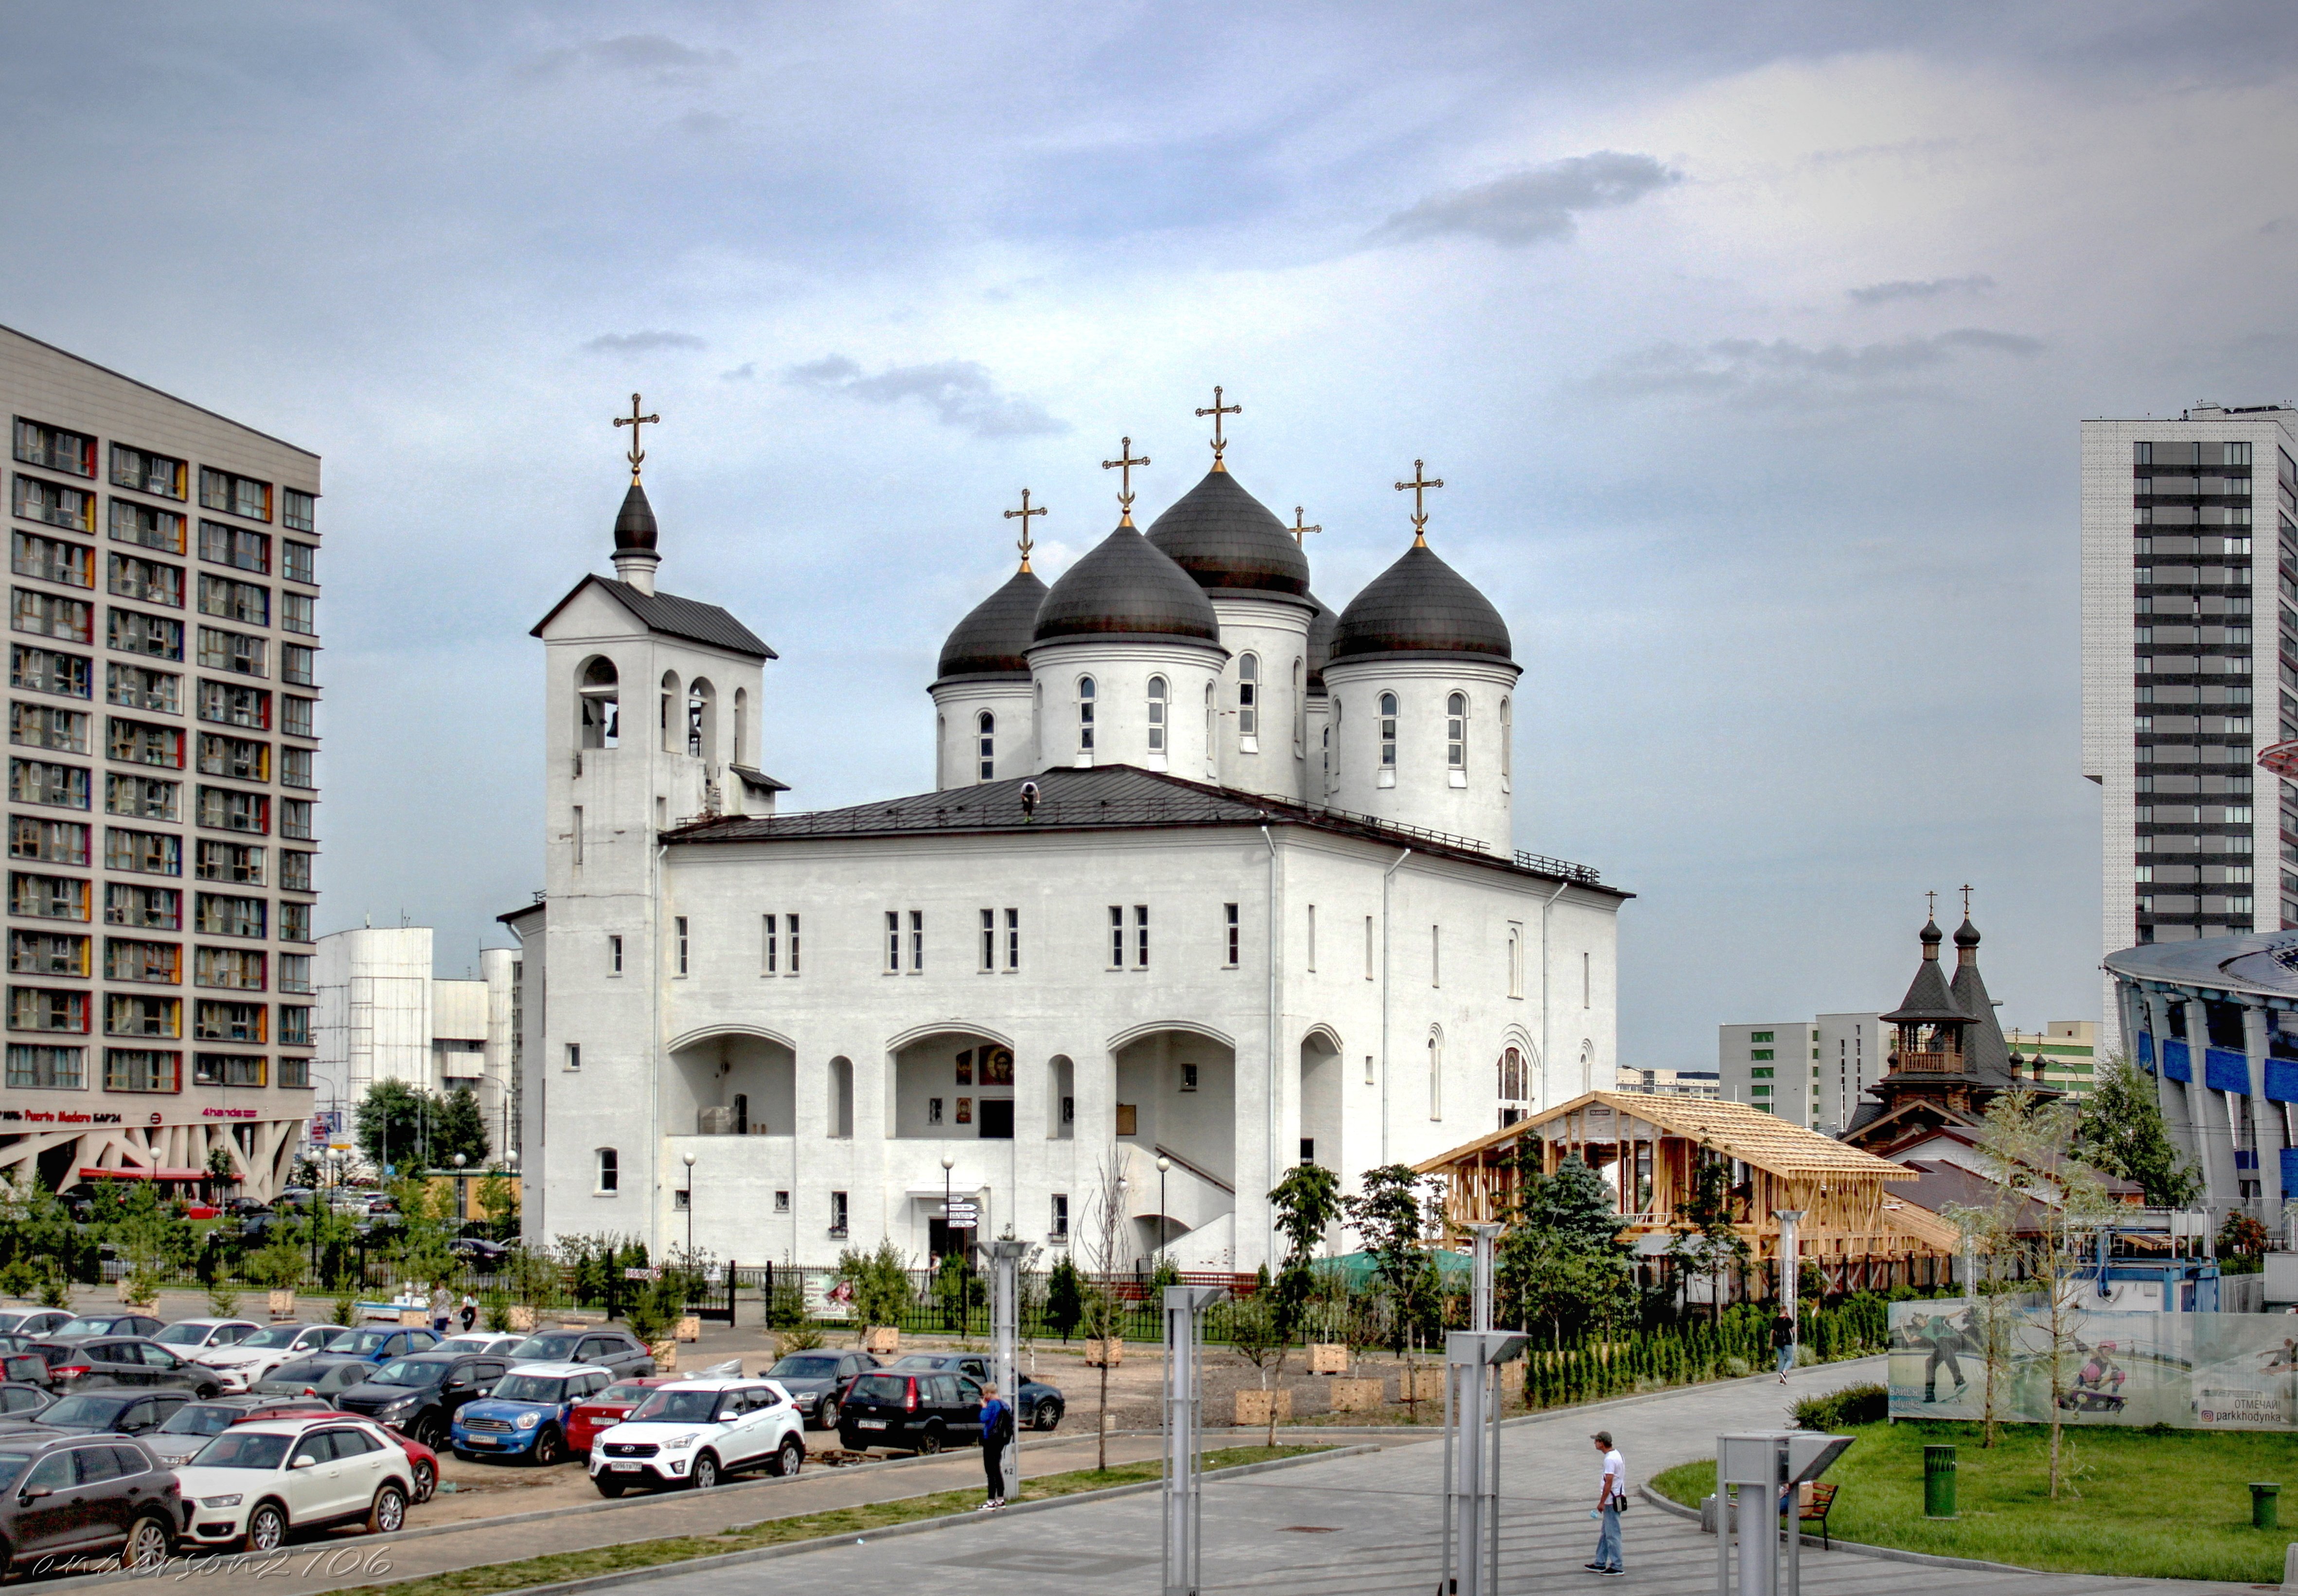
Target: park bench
(1813, 1508)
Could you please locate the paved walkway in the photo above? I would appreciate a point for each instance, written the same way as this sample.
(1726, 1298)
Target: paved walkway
(1369, 1524)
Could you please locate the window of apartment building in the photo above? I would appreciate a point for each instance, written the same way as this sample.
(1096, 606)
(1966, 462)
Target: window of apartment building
(246, 603)
(295, 976)
(219, 914)
(43, 726)
(300, 562)
(40, 444)
(295, 1072)
(51, 614)
(127, 959)
(143, 853)
(234, 494)
(54, 504)
(295, 871)
(295, 769)
(38, 781)
(143, 908)
(241, 758)
(47, 952)
(228, 1070)
(51, 560)
(54, 841)
(145, 472)
(299, 717)
(296, 509)
(298, 665)
(44, 670)
(53, 1069)
(227, 703)
(142, 1069)
(142, 798)
(215, 1020)
(47, 1008)
(837, 1213)
(678, 933)
(139, 687)
(134, 1014)
(298, 612)
(294, 1028)
(146, 526)
(239, 862)
(574, 1055)
(295, 923)
(137, 742)
(235, 546)
(613, 954)
(151, 581)
(222, 650)
(221, 810)
(296, 819)
(1231, 934)
(130, 631)
(232, 969)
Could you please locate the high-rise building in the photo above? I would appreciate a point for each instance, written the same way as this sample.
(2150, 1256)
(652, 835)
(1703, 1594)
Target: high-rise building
(162, 696)
(1764, 1066)
(2186, 525)
(2068, 1051)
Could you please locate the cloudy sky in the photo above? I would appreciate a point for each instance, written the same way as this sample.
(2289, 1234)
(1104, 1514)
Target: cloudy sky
(1750, 340)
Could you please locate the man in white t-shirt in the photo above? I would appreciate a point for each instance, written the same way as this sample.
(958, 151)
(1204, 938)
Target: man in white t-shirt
(1610, 1497)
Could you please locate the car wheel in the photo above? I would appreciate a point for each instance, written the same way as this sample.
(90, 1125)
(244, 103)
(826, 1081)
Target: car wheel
(706, 1471)
(547, 1450)
(266, 1526)
(207, 1393)
(828, 1418)
(931, 1442)
(1049, 1414)
(789, 1457)
(426, 1480)
(427, 1432)
(388, 1514)
(608, 1486)
(148, 1544)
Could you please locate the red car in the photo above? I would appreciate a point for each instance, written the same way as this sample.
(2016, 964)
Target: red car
(422, 1463)
(606, 1410)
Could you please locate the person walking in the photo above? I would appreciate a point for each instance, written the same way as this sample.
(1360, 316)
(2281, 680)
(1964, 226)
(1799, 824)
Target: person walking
(470, 1311)
(443, 1307)
(1784, 1342)
(1611, 1496)
(996, 1435)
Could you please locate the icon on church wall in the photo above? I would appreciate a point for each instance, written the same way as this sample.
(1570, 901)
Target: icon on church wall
(997, 1066)
(965, 1111)
(966, 1068)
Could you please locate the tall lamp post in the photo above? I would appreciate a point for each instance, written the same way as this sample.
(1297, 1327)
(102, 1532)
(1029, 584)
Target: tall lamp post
(946, 1163)
(462, 1191)
(1163, 1164)
(689, 1210)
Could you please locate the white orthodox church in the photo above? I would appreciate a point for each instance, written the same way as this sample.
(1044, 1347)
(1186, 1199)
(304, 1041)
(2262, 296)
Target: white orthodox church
(1212, 880)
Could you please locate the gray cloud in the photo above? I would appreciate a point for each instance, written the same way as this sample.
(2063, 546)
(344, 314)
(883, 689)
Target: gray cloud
(653, 56)
(1778, 371)
(1534, 206)
(962, 392)
(1883, 294)
(740, 374)
(640, 343)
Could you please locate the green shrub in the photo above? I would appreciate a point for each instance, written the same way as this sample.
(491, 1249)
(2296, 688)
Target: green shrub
(495, 1307)
(223, 1298)
(1839, 1410)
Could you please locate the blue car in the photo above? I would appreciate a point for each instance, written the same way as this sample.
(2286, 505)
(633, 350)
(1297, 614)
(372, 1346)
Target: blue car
(380, 1344)
(525, 1416)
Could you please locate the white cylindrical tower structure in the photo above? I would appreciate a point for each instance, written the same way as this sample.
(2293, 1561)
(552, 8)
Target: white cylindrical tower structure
(985, 728)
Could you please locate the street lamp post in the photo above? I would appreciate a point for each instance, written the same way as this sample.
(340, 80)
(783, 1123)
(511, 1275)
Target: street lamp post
(946, 1163)
(689, 1210)
(1163, 1164)
(462, 1191)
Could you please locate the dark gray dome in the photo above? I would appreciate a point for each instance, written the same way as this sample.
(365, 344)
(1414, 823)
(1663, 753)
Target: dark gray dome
(1124, 587)
(992, 640)
(1420, 606)
(1320, 642)
(1223, 537)
(634, 527)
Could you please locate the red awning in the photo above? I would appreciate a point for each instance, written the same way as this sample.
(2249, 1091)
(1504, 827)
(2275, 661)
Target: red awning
(90, 1172)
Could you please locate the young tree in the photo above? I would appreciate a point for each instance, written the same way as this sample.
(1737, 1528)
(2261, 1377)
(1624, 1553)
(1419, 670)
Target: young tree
(2122, 1133)
(1103, 1236)
(1255, 1336)
(457, 1126)
(880, 1285)
(1706, 1241)
(497, 1199)
(1064, 1297)
(1560, 1257)
(1389, 1214)
(392, 1119)
(1307, 1202)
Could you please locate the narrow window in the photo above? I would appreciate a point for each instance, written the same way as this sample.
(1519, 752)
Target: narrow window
(1209, 723)
(614, 955)
(1456, 732)
(1508, 745)
(770, 945)
(1367, 1069)
(1013, 938)
(1141, 936)
(574, 1055)
(1388, 731)
(917, 940)
(837, 1213)
(1300, 708)
(781, 1201)
(1116, 935)
(1436, 1074)
(988, 940)
(893, 942)
(792, 919)
(1085, 715)
(1157, 714)
(1248, 701)
(610, 1171)
(933, 1111)
(1435, 957)
(1228, 913)
(1367, 947)
(578, 836)
(1515, 962)
(1312, 939)
(1060, 1216)
(679, 923)
(985, 745)
(1587, 980)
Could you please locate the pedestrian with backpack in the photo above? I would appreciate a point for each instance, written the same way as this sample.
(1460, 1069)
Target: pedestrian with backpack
(996, 1436)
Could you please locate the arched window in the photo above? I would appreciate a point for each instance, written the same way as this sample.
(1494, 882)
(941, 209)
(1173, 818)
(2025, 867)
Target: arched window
(1388, 731)
(1515, 962)
(610, 1172)
(1248, 698)
(985, 746)
(702, 720)
(1326, 788)
(1507, 746)
(674, 725)
(1300, 707)
(1456, 732)
(1515, 1086)
(741, 726)
(600, 694)
(1157, 714)
(1085, 714)
(1209, 724)
(1435, 1072)
(1587, 1066)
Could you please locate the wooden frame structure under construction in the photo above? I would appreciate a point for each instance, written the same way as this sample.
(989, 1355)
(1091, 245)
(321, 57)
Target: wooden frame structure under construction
(1658, 1138)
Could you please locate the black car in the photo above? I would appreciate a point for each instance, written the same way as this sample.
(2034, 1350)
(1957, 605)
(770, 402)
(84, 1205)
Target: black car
(63, 1496)
(102, 1414)
(478, 1249)
(418, 1394)
(103, 1360)
(328, 1375)
(616, 1350)
(241, 1207)
(21, 1399)
(815, 1379)
(1036, 1406)
(921, 1410)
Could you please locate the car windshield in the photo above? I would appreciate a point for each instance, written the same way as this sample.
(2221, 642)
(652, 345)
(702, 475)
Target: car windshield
(184, 1335)
(239, 1449)
(677, 1407)
(337, 1338)
(200, 1418)
(465, 1343)
(882, 1388)
(918, 1361)
(625, 1392)
(12, 1464)
(83, 1327)
(273, 1335)
(546, 1349)
(408, 1371)
(360, 1340)
(803, 1369)
(85, 1412)
(530, 1388)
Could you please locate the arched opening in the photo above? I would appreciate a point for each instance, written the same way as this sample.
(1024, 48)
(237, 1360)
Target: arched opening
(1300, 707)
(1508, 745)
(731, 1084)
(1435, 1072)
(741, 754)
(1085, 707)
(1388, 731)
(598, 712)
(702, 721)
(841, 1098)
(1456, 733)
(985, 746)
(1176, 1099)
(674, 725)
(1320, 1102)
(1587, 1067)
(1157, 716)
(1210, 747)
(952, 1086)
(1248, 701)
(1061, 1112)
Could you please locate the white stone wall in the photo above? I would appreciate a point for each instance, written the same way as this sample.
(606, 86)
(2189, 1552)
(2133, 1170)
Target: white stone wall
(958, 707)
(1275, 631)
(1421, 788)
(1121, 673)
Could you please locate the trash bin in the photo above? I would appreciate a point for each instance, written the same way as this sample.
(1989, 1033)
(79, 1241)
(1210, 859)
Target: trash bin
(1939, 1482)
(2265, 1505)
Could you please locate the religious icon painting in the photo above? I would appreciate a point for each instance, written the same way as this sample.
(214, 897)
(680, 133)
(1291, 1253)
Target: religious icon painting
(997, 1066)
(966, 1068)
(965, 1111)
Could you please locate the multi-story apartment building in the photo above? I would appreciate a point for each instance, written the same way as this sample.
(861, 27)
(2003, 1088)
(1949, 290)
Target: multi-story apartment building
(1812, 1073)
(162, 696)
(2067, 1049)
(1667, 1083)
(2190, 547)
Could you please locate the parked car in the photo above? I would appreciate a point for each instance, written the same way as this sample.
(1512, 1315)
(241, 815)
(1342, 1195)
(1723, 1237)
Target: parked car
(191, 1425)
(101, 1360)
(240, 1365)
(922, 1411)
(421, 1393)
(292, 1197)
(525, 1416)
(106, 1324)
(190, 1337)
(815, 1379)
(695, 1431)
(112, 1412)
(482, 1341)
(378, 1343)
(1036, 1406)
(24, 1368)
(241, 1207)
(321, 1375)
(617, 1350)
(257, 1483)
(74, 1496)
(422, 1463)
(21, 1399)
(32, 1321)
(606, 1410)
(478, 1249)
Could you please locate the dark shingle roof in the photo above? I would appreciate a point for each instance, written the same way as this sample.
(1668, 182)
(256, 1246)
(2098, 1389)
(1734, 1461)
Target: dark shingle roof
(1106, 797)
(1420, 606)
(1227, 539)
(1125, 587)
(672, 617)
(634, 527)
(996, 635)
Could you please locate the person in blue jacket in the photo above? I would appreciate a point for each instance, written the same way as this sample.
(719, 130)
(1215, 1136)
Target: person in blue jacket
(996, 1435)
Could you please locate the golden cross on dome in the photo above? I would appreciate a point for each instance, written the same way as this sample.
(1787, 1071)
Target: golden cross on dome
(1023, 515)
(1966, 900)
(1123, 465)
(1420, 484)
(1216, 411)
(635, 421)
(1931, 898)
(1300, 532)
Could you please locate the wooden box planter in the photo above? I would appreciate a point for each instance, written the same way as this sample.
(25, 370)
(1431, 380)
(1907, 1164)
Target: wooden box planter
(689, 1328)
(665, 1356)
(282, 1304)
(1329, 1358)
(1359, 1396)
(1422, 1385)
(882, 1339)
(418, 1318)
(522, 1317)
(1104, 1354)
(1512, 1378)
(1252, 1406)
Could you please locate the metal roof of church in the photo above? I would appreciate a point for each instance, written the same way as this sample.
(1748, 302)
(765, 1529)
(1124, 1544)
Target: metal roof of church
(1109, 798)
(670, 615)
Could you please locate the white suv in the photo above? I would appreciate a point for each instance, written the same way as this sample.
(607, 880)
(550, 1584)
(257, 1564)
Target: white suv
(252, 1358)
(258, 1481)
(695, 1431)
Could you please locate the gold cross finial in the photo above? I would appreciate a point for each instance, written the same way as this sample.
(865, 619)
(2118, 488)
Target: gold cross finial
(1123, 465)
(1023, 515)
(1216, 411)
(1966, 900)
(1300, 532)
(1931, 899)
(1420, 484)
(635, 421)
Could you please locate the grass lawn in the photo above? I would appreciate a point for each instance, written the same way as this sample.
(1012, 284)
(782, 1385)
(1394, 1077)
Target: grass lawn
(2166, 1504)
(807, 1527)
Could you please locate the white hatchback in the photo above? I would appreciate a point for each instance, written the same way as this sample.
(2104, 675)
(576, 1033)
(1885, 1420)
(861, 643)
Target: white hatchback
(259, 1480)
(253, 1357)
(696, 1432)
